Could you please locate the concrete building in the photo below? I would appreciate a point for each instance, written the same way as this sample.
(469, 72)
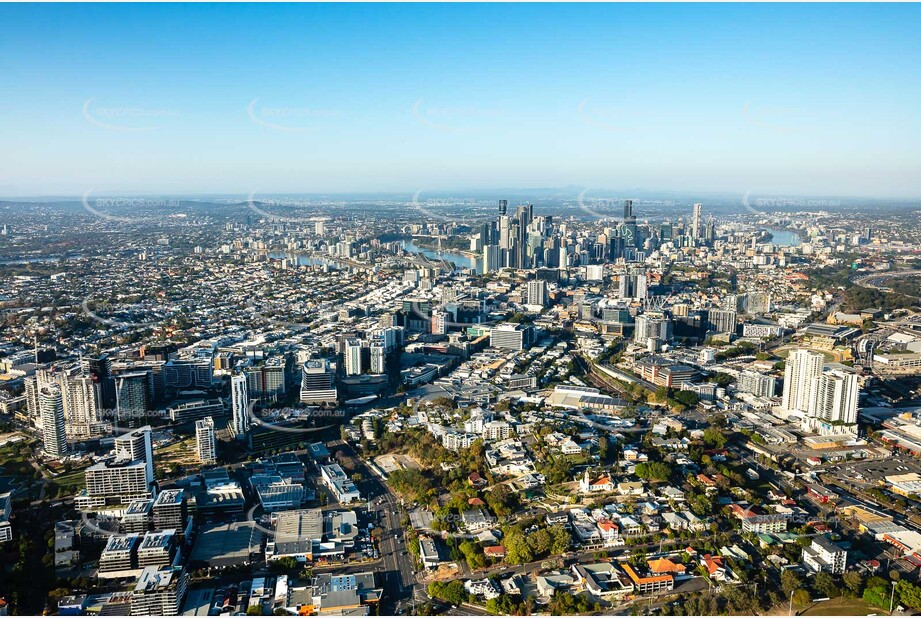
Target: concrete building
(205, 442)
(825, 555)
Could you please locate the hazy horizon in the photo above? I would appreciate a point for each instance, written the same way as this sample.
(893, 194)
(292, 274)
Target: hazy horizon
(810, 100)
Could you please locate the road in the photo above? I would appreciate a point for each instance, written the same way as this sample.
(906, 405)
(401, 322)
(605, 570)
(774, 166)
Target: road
(397, 577)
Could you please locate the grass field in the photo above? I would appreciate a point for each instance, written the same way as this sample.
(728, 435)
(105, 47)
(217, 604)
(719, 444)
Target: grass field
(840, 606)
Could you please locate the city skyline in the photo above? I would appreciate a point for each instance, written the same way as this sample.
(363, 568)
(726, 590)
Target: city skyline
(807, 100)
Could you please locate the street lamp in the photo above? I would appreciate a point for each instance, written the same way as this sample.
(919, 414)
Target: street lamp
(892, 597)
(790, 610)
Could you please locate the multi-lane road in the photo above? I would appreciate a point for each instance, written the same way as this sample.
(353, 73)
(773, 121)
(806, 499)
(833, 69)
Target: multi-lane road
(397, 578)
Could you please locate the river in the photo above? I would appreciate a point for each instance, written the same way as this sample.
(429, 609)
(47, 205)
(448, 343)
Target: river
(458, 259)
(784, 238)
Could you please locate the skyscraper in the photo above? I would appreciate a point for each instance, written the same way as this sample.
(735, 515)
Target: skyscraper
(204, 438)
(80, 405)
(239, 406)
(695, 222)
(503, 207)
(833, 404)
(51, 403)
(629, 229)
(803, 366)
(100, 369)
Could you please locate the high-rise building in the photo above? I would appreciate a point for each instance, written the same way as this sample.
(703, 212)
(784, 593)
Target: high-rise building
(266, 381)
(318, 382)
(508, 336)
(133, 395)
(803, 367)
(204, 438)
(114, 482)
(440, 321)
(137, 445)
(503, 207)
(51, 403)
(833, 404)
(695, 222)
(757, 302)
(633, 285)
(352, 355)
(100, 369)
(628, 233)
(239, 406)
(537, 293)
(170, 510)
(652, 325)
(378, 357)
(756, 384)
(721, 321)
(492, 258)
(80, 409)
(319, 228)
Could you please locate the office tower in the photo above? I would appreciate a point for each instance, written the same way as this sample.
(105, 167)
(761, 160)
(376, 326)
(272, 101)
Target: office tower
(524, 216)
(695, 222)
(628, 211)
(378, 357)
(319, 228)
(833, 404)
(633, 285)
(51, 404)
(503, 207)
(492, 258)
(629, 227)
(133, 395)
(204, 438)
(508, 336)
(100, 369)
(239, 406)
(352, 355)
(652, 325)
(137, 445)
(721, 321)
(318, 382)
(803, 366)
(537, 293)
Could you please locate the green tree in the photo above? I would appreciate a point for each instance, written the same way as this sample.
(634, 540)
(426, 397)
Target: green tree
(853, 582)
(790, 581)
(825, 584)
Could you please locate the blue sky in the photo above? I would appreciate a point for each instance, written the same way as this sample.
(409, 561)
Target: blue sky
(805, 99)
